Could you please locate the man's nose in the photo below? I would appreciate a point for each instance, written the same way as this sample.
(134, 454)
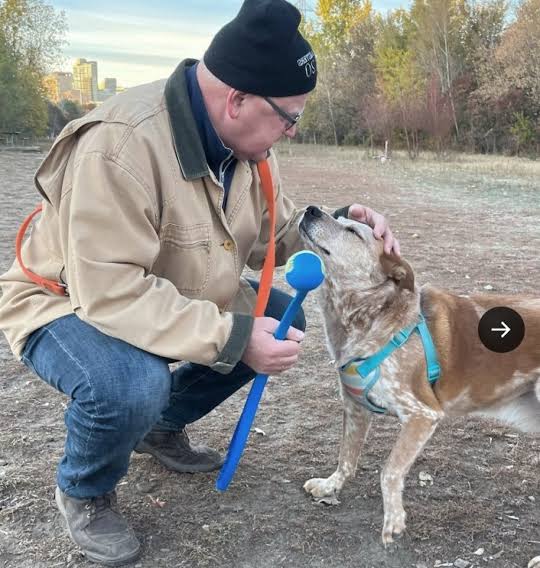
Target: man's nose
(313, 211)
(291, 132)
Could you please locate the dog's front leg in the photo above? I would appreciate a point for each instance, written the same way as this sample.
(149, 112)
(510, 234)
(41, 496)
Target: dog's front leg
(415, 432)
(356, 420)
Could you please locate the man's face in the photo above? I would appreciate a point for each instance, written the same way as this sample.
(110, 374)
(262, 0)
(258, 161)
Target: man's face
(254, 124)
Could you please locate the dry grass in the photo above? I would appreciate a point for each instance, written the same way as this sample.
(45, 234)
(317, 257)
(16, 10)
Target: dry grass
(479, 164)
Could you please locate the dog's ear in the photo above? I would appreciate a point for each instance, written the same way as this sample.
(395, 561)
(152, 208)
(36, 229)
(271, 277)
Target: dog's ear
(398, 270)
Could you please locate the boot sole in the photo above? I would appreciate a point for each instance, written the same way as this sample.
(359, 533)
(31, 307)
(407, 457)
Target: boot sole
(171, 464)
(91, 556)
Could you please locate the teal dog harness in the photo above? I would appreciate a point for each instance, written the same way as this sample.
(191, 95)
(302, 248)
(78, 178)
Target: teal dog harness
(360, 375)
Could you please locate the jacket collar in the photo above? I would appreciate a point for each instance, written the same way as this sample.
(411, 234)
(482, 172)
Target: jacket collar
(215, 151)
(187, 142)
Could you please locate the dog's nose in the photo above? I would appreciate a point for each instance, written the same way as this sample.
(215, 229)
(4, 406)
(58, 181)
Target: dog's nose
(314, 211)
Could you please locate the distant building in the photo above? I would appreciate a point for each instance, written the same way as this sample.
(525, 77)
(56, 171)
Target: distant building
(85, 80)
(58, 85)
(107, 88)
(81, 86)
(109, 84)
(65, 81)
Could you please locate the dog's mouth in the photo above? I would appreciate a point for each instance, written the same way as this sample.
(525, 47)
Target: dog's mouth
(305, 234)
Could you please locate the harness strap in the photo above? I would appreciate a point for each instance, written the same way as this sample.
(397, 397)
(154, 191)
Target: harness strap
(58, 288)
(362, 388)
(430, 352)
(370, 364)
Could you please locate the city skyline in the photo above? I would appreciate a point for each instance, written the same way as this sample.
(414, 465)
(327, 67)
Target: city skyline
(138, 42)
(80, 85)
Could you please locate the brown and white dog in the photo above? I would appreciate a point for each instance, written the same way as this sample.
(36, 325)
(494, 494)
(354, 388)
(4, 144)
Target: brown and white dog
(366, 299)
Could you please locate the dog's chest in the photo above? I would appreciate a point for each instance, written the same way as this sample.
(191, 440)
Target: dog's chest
(377, 391)
(387, 389)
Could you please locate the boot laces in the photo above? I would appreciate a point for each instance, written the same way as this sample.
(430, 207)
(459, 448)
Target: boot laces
(98, 507)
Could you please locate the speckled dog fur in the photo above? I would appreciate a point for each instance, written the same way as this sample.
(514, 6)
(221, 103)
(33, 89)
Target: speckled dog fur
(367, 298)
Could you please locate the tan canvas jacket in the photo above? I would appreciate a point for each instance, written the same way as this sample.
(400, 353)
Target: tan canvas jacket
(133, 223)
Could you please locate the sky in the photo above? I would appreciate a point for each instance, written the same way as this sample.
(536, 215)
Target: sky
(137, 41)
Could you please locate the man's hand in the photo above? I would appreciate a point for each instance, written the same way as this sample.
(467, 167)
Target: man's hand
(378, 223)
(267, 355)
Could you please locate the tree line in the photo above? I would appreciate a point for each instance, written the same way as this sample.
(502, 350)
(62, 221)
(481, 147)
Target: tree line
(460, 74)
(31, 42)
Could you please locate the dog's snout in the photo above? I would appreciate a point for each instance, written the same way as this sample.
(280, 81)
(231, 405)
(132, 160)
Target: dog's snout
(313, 211)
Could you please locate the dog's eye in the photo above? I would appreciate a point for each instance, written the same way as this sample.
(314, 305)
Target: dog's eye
(351, 230)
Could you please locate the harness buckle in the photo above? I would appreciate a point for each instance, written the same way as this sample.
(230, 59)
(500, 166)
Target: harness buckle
(400, 338)
(433, 372)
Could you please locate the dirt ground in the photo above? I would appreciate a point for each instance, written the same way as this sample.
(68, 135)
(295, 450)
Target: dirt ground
(465, 224)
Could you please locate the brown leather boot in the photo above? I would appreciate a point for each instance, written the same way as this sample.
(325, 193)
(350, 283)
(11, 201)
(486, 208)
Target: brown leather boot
(99, 529)
(174, 451)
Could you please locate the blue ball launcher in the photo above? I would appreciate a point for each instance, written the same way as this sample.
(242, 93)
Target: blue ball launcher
(304, 272)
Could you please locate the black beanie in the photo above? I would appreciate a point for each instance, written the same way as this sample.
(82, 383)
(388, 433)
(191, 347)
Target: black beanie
(262, 52)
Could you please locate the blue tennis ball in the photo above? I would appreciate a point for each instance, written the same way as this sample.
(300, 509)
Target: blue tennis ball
(304, 270)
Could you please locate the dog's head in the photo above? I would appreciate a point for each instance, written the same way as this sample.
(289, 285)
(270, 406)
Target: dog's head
(350, 252)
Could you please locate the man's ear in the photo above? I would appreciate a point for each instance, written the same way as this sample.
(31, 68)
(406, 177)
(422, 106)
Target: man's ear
(398, 270)
(235, 100)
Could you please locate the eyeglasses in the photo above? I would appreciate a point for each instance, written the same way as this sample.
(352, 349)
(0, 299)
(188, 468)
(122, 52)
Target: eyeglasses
(289, 118)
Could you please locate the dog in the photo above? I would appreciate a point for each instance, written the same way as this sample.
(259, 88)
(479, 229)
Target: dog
(368, 298)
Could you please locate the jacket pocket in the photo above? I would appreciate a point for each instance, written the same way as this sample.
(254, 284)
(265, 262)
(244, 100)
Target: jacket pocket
(184, 258)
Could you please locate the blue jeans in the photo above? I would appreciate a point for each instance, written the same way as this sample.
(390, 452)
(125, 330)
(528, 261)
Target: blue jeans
(119, 393)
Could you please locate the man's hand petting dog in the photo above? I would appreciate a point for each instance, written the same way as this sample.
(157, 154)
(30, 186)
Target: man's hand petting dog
(378, 223)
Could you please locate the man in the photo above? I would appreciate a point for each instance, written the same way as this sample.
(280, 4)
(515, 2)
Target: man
(152, 208)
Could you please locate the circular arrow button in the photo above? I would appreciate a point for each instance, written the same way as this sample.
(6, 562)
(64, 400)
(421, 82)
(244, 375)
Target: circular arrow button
(501, 329)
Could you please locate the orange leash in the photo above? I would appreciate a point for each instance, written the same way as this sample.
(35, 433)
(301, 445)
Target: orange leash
(52, 285)
(267, 275)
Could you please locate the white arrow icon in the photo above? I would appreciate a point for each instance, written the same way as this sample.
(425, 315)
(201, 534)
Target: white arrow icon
(504, 329)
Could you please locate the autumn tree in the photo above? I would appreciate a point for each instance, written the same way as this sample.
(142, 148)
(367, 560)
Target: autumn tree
(437, 43)
(341, 52)
(31, 39)
(379, 119)
(34, 32)
(516, 60)
(509, 82)
(437, 117)
(459, 72)
(398, 77)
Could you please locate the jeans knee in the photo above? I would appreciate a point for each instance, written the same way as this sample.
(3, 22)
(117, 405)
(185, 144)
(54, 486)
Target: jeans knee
(144, 407)
(135, 394)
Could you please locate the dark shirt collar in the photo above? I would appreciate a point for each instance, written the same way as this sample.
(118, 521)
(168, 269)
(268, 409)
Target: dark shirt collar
(187, 143)
(215, 151)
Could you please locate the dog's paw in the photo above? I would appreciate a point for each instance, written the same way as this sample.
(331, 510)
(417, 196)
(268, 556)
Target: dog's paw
(394, 525)
(319, 487)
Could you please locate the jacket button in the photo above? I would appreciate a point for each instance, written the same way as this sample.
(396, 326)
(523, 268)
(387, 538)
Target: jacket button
(228, 245)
